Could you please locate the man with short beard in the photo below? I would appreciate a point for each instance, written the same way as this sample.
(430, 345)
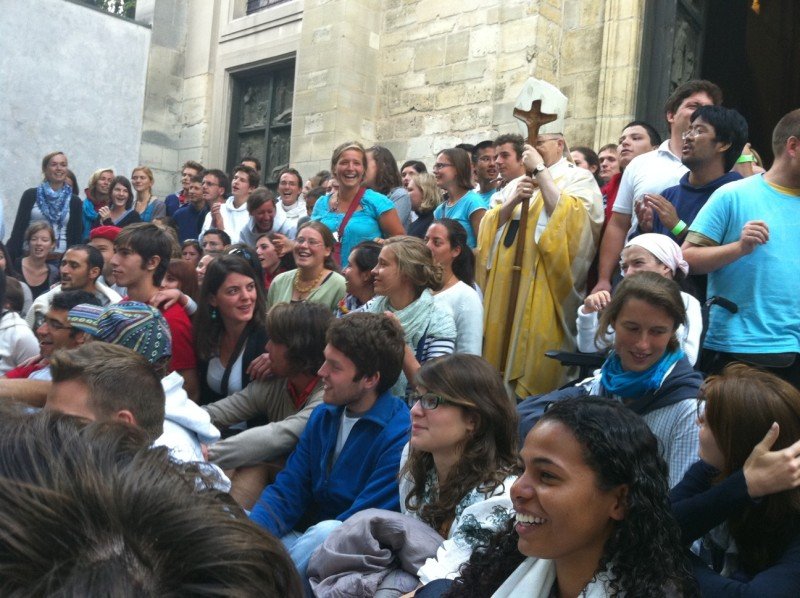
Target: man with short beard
(80, 270)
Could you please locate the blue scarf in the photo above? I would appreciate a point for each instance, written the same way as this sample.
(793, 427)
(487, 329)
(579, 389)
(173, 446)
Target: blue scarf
(635, 384)
(54, 205)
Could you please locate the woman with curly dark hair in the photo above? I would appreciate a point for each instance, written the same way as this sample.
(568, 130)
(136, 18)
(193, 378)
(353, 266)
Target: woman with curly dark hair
(461, 459)
(593, 518)
(743, 498)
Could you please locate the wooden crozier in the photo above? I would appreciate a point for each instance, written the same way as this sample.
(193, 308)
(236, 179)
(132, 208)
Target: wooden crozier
(533, 119)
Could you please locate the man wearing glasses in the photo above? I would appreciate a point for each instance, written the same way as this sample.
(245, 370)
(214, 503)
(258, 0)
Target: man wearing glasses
(54, 333)
(651, 172)
(712, 146)
(214, 189)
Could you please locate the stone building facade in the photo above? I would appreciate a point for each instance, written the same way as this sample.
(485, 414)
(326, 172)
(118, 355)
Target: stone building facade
(414, 75)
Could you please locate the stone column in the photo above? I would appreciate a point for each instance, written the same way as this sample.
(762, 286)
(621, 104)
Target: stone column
(338, 77)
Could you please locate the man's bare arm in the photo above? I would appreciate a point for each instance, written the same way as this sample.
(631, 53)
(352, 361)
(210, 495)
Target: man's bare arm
(610, 249)
(30, 392)
(703, 259)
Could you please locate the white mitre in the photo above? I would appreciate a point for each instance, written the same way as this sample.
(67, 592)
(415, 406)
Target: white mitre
(553, 102)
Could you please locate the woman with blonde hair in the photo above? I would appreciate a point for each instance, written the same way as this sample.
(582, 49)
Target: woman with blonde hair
(405, 279)
(425, 198)
(53, 201)
(147, 205)
(354, 213)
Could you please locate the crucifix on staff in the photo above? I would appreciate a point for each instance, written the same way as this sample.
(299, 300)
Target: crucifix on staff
(534, 250)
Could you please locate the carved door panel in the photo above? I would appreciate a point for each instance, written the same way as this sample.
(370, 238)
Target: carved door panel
(262, 120)
(672, 48)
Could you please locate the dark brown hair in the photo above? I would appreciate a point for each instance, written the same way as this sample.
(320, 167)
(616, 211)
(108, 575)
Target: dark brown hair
(301, 327)
(208, 330)
(373, 342)
(651, 288)
(487, 456)
(387, 175)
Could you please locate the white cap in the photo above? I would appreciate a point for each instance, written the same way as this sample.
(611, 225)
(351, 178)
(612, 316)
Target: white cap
(553, 102)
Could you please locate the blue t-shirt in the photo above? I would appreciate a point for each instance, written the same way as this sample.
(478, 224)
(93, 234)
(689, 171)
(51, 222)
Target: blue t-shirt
(487, 197)
(364, 224)
(688, 199)
(765, 284)
(461, 212)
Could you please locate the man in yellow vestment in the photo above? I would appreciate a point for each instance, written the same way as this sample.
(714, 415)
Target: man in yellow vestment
(564, 218)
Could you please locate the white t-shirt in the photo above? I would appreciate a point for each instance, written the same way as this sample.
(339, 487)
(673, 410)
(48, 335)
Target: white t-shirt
(466, 307)
(233, 219)
(345, 427)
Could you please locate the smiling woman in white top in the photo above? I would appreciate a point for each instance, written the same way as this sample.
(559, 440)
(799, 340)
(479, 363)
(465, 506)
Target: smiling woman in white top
(592, 514)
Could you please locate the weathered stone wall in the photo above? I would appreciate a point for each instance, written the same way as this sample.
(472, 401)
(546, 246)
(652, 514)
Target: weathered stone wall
(338, 88)
(415, 75)
(71, 78)
(450, 71)
(164, 93)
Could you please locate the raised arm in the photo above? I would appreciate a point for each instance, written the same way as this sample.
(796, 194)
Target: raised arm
(703, 257)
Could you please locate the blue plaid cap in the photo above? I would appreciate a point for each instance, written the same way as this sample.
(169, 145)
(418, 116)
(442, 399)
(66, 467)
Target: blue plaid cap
(131, 324)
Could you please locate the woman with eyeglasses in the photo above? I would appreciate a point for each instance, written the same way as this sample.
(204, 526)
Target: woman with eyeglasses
(461, 460)
(229, 326)
(316, 278)
(453, 172)
(354, 213)
(457, 469)
(404, 281)
(742, 499)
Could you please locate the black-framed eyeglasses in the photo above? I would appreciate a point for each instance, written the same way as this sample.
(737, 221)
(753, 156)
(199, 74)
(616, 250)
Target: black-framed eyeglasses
(428, 400)
(441, 165)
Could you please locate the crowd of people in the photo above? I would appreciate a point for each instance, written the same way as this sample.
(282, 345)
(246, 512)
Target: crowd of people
(340, 387)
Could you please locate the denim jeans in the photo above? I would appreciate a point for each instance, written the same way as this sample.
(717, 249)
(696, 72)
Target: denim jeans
(302, 546)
